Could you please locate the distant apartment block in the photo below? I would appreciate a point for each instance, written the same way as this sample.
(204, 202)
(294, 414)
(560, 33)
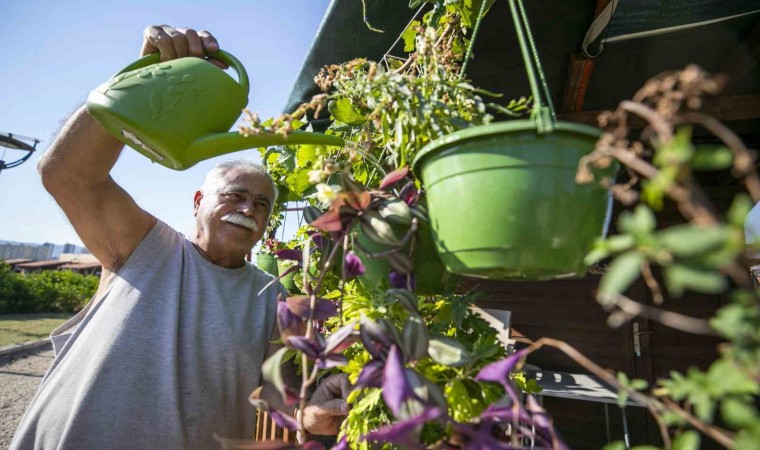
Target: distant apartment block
(12, 250)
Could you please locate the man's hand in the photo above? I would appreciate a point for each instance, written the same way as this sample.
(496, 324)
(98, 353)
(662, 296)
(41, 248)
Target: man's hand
(175, 43)
(328, 406)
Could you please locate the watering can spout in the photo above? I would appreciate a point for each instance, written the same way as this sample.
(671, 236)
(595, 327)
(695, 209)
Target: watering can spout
(223, 143)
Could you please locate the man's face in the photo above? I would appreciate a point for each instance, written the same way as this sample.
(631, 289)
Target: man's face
(233, 214)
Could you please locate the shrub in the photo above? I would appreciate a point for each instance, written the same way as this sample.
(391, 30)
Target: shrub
(47, 291)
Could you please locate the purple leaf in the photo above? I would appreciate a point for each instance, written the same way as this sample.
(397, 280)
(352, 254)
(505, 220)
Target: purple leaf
(404, 433)
(288, 323)
(353, 265)
(300, 305)
(329, 221)
(396, 387)
(500, 370)
(401, 281)
(335, 340)
(374, 339)
(318, 239)
(371, 375)
(342, 444)
(330, 361)
(289, 254)
(479, 438)
(306, 346)
(284, 420)
(409, 193)
(394, 177)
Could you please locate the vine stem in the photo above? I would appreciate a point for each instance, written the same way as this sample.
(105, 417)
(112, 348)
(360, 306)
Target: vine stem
(744, 159)
(306, 379)
(668, 318)
(654, 406)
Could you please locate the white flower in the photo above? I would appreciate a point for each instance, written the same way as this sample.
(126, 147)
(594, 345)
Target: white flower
(315, 176)
(326, 193)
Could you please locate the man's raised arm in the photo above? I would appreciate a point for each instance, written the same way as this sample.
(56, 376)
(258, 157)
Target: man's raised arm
(75, 170)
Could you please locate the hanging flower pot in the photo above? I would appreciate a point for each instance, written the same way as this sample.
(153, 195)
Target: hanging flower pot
(502, 198)
(504, 204)
(267, 263)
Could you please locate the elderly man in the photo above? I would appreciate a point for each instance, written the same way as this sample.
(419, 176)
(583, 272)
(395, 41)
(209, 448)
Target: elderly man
(167, 352)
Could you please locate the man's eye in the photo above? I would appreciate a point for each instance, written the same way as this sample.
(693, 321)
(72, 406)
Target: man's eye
(262, 206)
(235, 197)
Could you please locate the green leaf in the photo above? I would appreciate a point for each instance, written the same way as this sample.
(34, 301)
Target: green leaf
(271, 370)
(407, 298)
(410, 34)
(615, 445)
(448, 351)
(639, 223)
(728, 378)
(297, 183)
(686, 241)
(465, 400)
(740, 208)
(712, 158)
(738, 414)
(680, 277)
(343, 111)
(748, 439)
(377, 229)
(415, 3)
(688, 440)
(415, 338)
(396, 212)
(306, 155)
(623, 271)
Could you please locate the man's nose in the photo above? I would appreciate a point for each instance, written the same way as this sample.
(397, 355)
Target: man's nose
(248, 208)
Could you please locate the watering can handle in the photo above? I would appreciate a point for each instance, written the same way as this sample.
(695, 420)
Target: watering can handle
(221, 55)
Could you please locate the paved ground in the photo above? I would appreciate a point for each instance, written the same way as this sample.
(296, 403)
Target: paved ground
(20, 375)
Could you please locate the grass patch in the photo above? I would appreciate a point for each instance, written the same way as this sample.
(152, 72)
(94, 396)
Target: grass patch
(18, 328)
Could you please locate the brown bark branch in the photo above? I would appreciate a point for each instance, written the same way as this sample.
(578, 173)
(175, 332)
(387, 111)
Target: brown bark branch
(719, 435)
(670, 319)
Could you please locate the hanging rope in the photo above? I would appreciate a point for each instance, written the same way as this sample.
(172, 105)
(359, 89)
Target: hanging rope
(472, 39)
(536, 59)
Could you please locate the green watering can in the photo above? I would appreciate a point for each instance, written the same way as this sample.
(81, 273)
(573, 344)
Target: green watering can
(178, 113)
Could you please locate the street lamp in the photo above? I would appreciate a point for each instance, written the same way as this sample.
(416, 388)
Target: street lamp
(16, 142)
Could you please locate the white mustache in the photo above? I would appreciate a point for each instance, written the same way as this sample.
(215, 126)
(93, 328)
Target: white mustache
(242, 220)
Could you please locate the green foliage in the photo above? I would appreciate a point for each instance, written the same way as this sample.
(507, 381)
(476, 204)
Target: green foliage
(46, 291)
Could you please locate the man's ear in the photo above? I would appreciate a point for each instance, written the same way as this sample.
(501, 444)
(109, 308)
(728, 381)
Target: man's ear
(197, 202)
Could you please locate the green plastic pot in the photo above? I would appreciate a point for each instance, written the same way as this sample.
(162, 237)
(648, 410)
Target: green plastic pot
(288, 280)
(267, 263)
(503, 201)
(430, 274)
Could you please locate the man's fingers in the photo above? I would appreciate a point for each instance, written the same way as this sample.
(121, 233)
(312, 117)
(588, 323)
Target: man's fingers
(155, 38)
(179, 41)
(194, 45)
(210, 45)
(336, 407)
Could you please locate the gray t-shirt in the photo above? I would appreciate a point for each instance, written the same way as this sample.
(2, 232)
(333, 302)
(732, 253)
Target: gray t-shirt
(165, 359)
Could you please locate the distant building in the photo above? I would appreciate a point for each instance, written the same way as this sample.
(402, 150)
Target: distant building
(15, 250)
(39, 266)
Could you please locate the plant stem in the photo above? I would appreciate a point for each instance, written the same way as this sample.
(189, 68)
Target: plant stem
(719, 435)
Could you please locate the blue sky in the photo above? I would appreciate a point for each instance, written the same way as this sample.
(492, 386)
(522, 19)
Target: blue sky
(57, 51)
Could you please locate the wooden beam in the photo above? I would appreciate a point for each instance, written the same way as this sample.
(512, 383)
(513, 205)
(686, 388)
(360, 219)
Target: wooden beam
(725, 109)
(579, 75)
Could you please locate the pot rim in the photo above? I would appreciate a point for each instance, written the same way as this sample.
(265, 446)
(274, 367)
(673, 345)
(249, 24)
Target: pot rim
(495, 129)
